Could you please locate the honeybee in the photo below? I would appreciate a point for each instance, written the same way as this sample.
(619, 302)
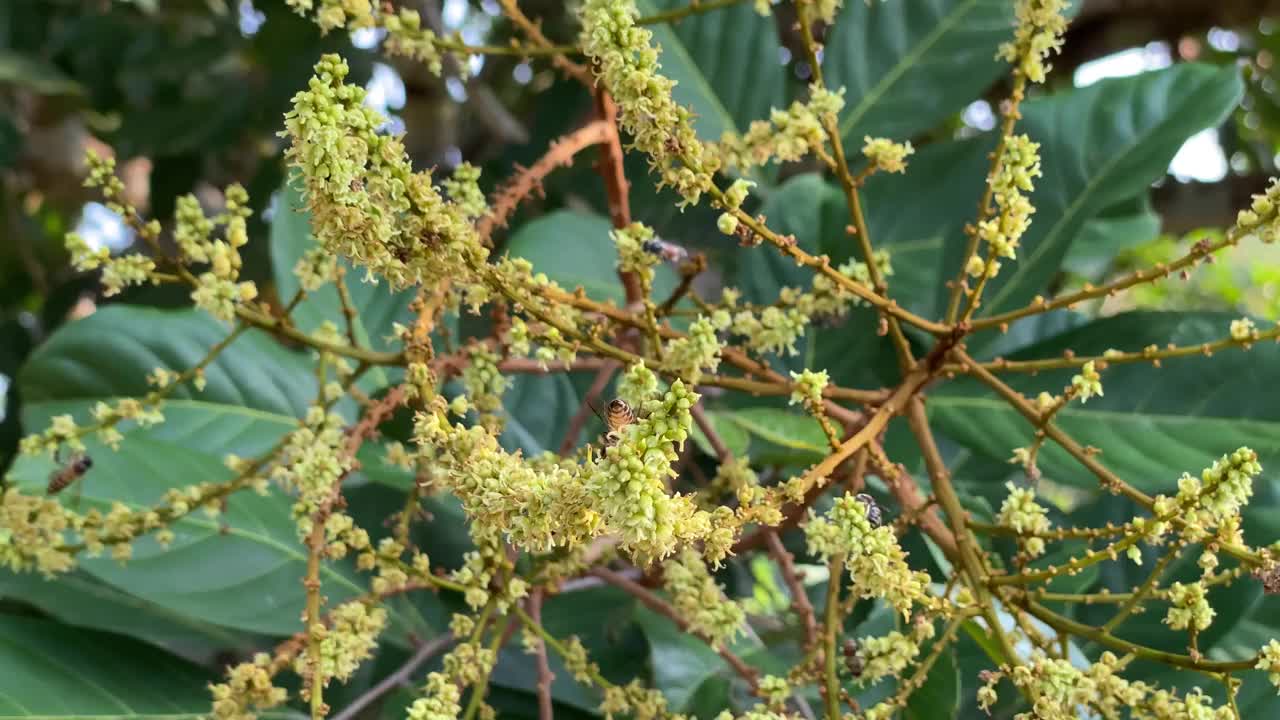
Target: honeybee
(617, 415)
(68, 473)
(670, 252)
(874, 515)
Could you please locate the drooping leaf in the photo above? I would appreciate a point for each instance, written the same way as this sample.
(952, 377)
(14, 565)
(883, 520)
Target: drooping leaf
(56, 671)
(939, 697)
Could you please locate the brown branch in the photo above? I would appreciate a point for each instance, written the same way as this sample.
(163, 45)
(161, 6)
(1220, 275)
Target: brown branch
(545, 676)
(534, 33)
(616, 187)
(664, 608)
(527, 180)
(799, 598)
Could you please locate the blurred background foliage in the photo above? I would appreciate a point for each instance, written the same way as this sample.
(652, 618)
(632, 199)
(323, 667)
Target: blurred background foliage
(190, 95)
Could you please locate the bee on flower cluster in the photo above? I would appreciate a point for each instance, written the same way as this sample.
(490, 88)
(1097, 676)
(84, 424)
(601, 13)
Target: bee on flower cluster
(618, 414)
(69, 472)
(874, 516)
(668, 251)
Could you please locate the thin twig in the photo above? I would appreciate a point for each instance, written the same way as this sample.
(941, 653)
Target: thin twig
(579, 419)
(545, 677)
(425, 652)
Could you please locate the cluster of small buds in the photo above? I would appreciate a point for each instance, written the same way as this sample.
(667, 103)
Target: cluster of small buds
(219, 289)
(1269, 661)
(336, 14)
(1261, 217)
(407, 38)
(247, 691)
(484, 385)
(108, 417)
(313, 460)
(1243, 330)
(788, 136)
(630, 480)
(698, 351)
(1189, 607)
(1019, 164)
(774, 690)
(348, 641)
(1040, 25)
(126, 270)
(727, 223)
(31, 534)
(772, 330)
(875, 561)
(316, 268)
(625, 60)
(700, 599)
(735, 477)
(1212, 500)
(342, 535)
(634, 700)
(366, 201)
(62, 431)
(440, 701)
(886, 155)
(1022, 513)
(886, 655)
(808, 389)
(1087, 383)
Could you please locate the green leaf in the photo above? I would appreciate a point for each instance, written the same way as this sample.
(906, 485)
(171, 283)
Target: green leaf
(35, 75)
(909, 64)
(1152, 424)
(539, 408)
(735, 437)
(682, 664)
(795, 432)
(77, 599)
(1111, 233)
(376, 306)
(726, 65)
(56, 671)
(1100, 146)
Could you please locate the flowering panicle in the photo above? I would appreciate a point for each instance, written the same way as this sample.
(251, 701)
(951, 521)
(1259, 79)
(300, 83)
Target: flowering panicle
(809, 387)
(31, 534)
(886, 155)
(440, 701)
(787, 136)
(875, 561)
(1189, 607)
(697, 352)
(627, 63)
(1038, 34)
(1018, 165)
(484, 385)
(1088, 383)
(366, 201)
(1214, 499)
(699, 599)
(1262, 218)
(1269, 661)
(313, 461)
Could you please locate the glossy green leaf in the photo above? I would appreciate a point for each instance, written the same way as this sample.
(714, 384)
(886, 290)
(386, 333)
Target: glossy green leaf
(241, 570)
(682, 664)
(726, 65)
(77, 599)
(55, 671)
(1104, 237)
(1152, 424)
(908, 65)
(377, 307)
(538, 411)
(735, 437)
(793, 431)
(1101, 145)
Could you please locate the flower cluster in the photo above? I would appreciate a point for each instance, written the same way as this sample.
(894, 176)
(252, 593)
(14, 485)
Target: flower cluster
(876, 563)
(627, 63)
(1088, 383)
(1021, 512)
(1040, 25)
(1262, 218)
(788, 136)
(484, 385)
(809, 387)
(126, 270)
(1269, 661)
(440, 701)
(699, 599)
(366, 201)
(1243, 330)
(347, 642)
(1216, 497)
(247, 691)
(886, 155)
(698, 351)
(1189, 607)
(1018, 164)
(313, 461)
(219, 289)
(31, 532)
